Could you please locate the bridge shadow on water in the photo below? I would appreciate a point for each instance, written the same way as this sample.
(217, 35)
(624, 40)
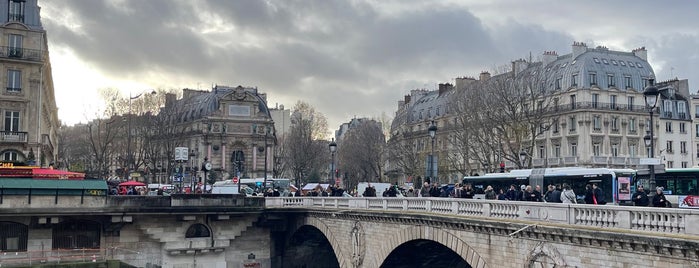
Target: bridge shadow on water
(423, 253)
(308, 248)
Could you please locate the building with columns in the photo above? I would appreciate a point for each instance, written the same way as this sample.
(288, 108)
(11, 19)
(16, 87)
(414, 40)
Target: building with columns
(597, 115)
(230, 127)
(27, 103)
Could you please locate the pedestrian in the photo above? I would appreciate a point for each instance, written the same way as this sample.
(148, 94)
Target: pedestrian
(411, 192)
(467, 192)
(568, 195)
(553, 195)
(598, 195)
(659, 199)
(490, 193)
(640, 197)
(501, 194)
(425, 190)
(530, 194)
(588, 194)
(511, 194)
(434, 190)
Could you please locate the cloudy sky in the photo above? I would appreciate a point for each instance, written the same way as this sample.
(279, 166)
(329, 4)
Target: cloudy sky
(346, 58)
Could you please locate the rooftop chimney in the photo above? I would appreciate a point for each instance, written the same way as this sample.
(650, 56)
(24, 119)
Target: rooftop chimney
(484, 76)
(641, 52)
(578, 49)
(549, 57)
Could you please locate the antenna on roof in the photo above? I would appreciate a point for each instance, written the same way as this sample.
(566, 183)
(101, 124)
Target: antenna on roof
(530, 56)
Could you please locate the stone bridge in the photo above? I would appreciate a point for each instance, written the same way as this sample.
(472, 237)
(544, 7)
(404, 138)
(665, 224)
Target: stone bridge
(234, 231)
(445, 232)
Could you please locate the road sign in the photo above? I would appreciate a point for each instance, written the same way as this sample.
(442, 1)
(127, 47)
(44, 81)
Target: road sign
(649, 161)
(235, 179)
(181, 153)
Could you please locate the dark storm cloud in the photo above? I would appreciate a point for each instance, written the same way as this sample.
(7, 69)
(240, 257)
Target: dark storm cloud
(346, 58)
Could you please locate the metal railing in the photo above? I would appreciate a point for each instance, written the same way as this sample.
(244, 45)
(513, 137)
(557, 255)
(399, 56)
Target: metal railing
(21, 53)
(13, 136)
(650, 219)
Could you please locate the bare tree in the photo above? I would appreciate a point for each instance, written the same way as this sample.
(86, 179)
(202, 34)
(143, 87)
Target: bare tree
(360, 153)
(304, 154)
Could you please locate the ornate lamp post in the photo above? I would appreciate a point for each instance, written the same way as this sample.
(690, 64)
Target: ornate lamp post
(651, 97)
(432, 131)
(522, 158)
(129, 156)
(333, 148)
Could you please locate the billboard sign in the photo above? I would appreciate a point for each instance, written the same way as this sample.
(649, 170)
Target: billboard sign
(688, 201)
(181, 153)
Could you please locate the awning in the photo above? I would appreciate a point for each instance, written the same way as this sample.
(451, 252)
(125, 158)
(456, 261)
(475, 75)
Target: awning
(28, 183)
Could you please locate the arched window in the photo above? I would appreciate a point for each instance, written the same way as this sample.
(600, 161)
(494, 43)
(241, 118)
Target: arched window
(13, 236)
(197, 230)
(76, 234)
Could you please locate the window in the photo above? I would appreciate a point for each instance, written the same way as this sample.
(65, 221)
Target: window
(596, 149)
(631, 64)
(668, 146)
(197, 230)
(615, 149)
(13, 236)
(14, 46)
(574, 80)
(638, 64)
(683, 147)
(612, 101)
(696, 130)
(596, 60)
(558, 83)
(9, 156)
(555, 126)
(542, 152)
(572, 102)
(683, 128)
(595, 100)
(670, 164)
(614, 62)
(605, 61)
(16, 11)
(571, 126)
(698, 150)
(557, 150)
(593, 79)
(627, 82)
(14, 80)
(615, 123)
(622, 63)
(11, 121)
(645, 83)
(668, 127)
(696, 110)
(682, 110)
(633, 150)
(611, 82)
(573, 149)
(629, 103)
(597, 122)
(684, 164)
(542, 128)
(632, 124)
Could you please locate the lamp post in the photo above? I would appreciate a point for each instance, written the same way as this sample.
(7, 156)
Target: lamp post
(522, 158)
(432, 131)
(264, 150)
(650, 95)
(333, 148)
(129, 156)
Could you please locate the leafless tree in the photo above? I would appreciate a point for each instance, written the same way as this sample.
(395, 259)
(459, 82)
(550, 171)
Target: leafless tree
(360, 153)
(304, 153)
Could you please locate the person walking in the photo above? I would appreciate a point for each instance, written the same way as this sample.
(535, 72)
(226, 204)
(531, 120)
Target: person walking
(568, 195)
(598, 195)
(659, 199)
(640, 197)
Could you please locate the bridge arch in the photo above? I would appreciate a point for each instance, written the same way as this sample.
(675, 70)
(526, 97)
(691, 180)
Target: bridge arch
(326, 231)
(440, 236)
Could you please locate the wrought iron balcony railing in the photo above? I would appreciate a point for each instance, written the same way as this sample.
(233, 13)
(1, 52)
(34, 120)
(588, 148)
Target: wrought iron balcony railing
(21, 53)
(13, 136)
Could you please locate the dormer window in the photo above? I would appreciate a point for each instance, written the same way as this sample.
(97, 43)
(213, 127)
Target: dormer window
(622, 63)
(596, 60)
(614, 62)
(605, 61)
(631, 64)
(638, 64)
(16, 10)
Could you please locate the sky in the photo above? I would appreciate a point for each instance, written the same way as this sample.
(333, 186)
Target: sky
(348, 59)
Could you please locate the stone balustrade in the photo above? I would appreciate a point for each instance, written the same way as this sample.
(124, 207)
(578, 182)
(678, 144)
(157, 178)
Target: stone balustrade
(649, 219)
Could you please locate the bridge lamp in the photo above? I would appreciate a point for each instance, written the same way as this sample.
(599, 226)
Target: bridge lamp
(522, 158)
(650, 94)
(432, 131)
(333, 149)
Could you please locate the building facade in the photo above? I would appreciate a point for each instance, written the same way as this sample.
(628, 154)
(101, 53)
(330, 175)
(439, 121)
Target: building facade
(596, 118)
(674, 136)
(27, 103)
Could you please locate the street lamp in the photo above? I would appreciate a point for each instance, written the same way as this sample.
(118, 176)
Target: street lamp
(264, 150)
(333, 148)
(129, 156)
(522, 158)
(651, 97)
(432, 131)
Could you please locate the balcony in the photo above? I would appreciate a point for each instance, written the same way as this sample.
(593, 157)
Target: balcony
(634, 161)
(554, 161)
(15, 17)
(570, 160)
(599, 160)
(13, 136)
(21, 53)
(618, 160)
(538, 162)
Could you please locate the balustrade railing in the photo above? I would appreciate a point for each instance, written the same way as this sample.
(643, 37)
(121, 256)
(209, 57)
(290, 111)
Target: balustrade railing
(649, 219)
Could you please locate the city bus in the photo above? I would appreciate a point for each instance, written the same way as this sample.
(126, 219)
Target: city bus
(615, 183)
(677, 183)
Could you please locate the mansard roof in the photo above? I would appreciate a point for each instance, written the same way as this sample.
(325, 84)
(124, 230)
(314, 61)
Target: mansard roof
(197, 104)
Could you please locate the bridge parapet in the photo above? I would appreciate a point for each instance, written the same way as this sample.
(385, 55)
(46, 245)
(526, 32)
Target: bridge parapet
(648, 219)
